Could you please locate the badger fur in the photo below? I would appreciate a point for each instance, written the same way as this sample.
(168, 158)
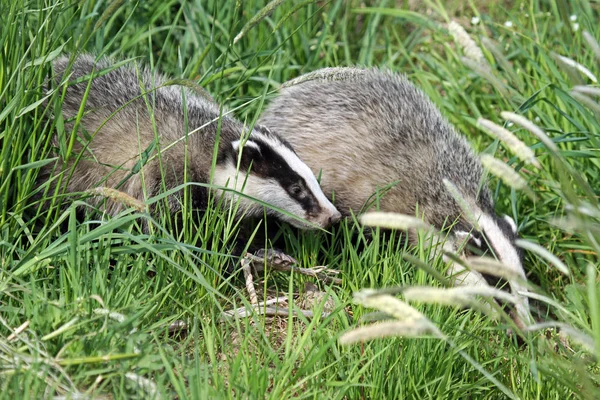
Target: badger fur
(365, 130)
(132, 137)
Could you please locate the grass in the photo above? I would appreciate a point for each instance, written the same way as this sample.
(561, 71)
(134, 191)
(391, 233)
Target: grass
(88, 303)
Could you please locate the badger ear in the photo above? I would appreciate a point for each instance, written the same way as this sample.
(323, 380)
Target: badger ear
(511, 223)
(236, 144)
(262, 129)
(251, 154)
(471, 238)
(461, 237)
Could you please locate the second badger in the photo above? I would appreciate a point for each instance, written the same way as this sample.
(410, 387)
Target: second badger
(130, 114)
(363, 130)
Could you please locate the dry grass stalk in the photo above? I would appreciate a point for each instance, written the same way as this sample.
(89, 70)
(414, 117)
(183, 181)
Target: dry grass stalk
(118, 196)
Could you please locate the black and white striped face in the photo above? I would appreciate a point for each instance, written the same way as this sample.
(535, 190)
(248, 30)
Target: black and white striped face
(496, 239)
(278, 177)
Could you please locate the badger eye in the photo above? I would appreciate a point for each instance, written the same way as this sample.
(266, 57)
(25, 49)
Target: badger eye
(295, 189)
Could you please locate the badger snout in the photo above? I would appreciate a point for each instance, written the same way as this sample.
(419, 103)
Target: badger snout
(335, 217)
(327, 217)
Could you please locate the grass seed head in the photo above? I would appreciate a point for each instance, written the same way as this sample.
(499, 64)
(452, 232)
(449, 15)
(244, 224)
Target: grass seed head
(491, 266)
(586, 101)
(592, 43)
(531, 127)
(458, 296)
(545, 254)
(386, 329)
(466, 208)
(327, 74)
(508, 175)
(516, 146)
(586, 89)
(393, 221)
(387, 304)
(570, 63)
(468, 45)
(262, 14)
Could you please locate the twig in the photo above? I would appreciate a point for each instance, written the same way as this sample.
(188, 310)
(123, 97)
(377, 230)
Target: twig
(17, 331)
(246, 267)
(268, 311)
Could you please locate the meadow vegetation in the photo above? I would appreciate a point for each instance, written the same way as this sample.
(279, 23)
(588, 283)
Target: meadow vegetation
(86, 304)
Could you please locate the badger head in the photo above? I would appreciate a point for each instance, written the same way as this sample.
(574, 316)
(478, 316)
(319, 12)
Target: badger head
(496, 238)
(265, 167)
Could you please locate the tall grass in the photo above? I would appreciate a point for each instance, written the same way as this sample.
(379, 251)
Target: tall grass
(86, 305)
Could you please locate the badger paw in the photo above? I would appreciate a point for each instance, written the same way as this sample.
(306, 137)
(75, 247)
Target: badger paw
(272, 258)
(279, 261)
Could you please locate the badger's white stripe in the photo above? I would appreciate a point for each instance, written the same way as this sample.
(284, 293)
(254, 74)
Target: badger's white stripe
(267, 190)
(505, 250)
(249, 143)
(270, 191)
(511, 222)
(301, 169)
(462, 236)
(508, 255)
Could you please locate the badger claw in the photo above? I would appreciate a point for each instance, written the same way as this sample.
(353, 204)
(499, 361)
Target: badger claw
(273, 258)
(279, 261)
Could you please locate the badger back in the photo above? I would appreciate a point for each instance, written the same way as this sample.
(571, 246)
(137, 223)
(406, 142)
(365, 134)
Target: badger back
(370, 132)
(140, 133)
(366, 131)
(128, 114)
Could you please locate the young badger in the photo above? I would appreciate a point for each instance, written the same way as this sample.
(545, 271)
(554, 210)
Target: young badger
(119, 125)
(364, 129)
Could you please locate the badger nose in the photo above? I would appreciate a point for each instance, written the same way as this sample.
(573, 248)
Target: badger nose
(335, 217)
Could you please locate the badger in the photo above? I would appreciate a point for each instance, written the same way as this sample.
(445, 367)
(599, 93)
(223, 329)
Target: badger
(139, 134)
(368, 131)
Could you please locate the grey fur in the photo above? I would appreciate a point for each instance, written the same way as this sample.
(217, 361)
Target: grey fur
(363, 130)
(119, 139)
(128, 110)
(367, 129)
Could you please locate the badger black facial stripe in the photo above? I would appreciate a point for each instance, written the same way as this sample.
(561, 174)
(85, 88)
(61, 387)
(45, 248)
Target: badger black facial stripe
(298, 190)
(275, 166)
(275, 173)
(481, 245)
